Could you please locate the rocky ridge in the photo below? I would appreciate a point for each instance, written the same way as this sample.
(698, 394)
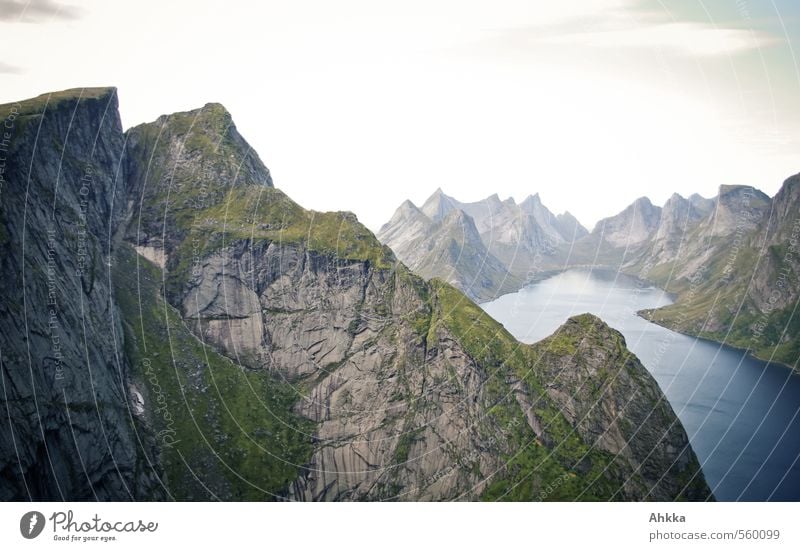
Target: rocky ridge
(270, 352)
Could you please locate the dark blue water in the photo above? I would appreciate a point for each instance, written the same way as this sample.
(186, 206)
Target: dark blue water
(742, 415)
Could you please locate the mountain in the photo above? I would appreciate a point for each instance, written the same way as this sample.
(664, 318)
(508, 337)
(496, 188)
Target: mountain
(438, 206)
(68, 432)
(736, 209)
(631, 227)
(454, 252)
(407, 228)
(569, 227)
(192, 333)
(736, 278)
(515, 244)
(679, 218)
(447, 246)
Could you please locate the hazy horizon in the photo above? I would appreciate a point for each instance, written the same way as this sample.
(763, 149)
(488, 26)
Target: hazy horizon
(361, 106)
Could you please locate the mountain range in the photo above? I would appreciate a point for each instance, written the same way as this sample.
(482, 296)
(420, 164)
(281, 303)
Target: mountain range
(731, 261)
(486, 248)
(173, 326)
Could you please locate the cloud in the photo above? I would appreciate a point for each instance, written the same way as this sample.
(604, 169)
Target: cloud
(6, 69)
(36, 11)
(630, 25)
(692, 39)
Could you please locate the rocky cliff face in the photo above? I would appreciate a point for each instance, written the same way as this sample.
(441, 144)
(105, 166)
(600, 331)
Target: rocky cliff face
(737, 276)
(515, 243)
(678, 220)
(70, 431)
(407, 383)
(738, 209)
(263, 351)
(570, 228)
(454, 252)
(406, 231)
(442, 240)
(631, 227)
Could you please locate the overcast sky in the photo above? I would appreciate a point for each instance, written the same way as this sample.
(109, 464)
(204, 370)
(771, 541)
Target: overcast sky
(360, 104)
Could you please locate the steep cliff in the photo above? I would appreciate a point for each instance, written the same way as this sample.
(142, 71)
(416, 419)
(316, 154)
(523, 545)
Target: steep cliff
(253, 349)
(737, 276)
(413, 391)
(70, 432)
(514, 245)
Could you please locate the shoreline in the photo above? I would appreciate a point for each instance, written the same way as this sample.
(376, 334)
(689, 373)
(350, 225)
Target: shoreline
(746, 351)
(547, 274)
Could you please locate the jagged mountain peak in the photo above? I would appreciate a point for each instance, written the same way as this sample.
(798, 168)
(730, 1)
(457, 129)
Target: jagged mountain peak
(534, 198)
(570, 227)
(531, 202)
(459, 218)
(785, 206)
(701, 204)
(632, 226)
(186, 162)
(438, 205)
(732, 193)
(407, 207)
(675, 202)
(725, 189)
(737, 208)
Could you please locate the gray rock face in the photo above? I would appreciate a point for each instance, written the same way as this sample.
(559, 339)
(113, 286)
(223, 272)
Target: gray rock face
(736, 273)
(631, 227)
(200, 156)
(703, 205)
(737, 209)
(447, 245)
(514, 242)
(679, 217)
(402, 413)
(624, 411)
(404, 233)
(64, 374)
(570, 228)
(438, 206)
(408, 390)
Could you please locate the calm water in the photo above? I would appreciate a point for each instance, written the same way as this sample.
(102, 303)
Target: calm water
(742, 415)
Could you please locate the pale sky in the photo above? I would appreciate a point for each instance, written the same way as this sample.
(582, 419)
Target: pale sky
(360, 104)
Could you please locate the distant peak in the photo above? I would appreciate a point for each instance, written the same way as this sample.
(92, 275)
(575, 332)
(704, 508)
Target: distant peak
(532, 200)
(405, 209)
(437, 205)
(438, 196)
(727, 190)
(459, 218)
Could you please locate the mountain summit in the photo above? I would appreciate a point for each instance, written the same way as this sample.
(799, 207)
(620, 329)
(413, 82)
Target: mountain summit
(192, 333)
